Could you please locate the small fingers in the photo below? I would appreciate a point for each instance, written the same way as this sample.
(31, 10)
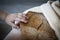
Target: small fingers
(24, 15)
(21, 15)
(16, 27)
(13, 25)
(18, 20)
(21, 18)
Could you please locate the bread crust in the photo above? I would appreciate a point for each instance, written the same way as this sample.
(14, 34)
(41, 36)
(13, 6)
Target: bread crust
(37, 28)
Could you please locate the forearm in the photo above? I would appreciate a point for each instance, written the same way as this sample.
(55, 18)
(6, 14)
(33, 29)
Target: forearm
(3, 15)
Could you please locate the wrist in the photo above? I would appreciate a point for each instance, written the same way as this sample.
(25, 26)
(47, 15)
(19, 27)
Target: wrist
(3, 15)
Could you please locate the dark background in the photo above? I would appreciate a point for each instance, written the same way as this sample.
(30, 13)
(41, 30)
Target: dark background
(15, 6)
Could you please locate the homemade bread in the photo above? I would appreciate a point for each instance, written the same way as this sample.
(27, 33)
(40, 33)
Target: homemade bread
(37, 28)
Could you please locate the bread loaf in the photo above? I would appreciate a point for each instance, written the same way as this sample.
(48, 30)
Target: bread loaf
(37, 28)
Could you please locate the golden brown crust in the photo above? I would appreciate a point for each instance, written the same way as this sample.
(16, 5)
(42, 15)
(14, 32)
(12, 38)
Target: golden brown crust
(39, 29)
(33, 20)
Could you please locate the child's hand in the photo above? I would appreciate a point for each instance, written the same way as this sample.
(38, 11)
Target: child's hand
(21, 18)
(14, 19)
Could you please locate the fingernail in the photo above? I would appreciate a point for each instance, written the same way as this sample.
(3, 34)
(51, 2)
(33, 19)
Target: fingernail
(25, 21)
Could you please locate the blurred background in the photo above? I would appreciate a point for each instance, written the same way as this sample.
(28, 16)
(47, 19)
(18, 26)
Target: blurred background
(15, 6)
